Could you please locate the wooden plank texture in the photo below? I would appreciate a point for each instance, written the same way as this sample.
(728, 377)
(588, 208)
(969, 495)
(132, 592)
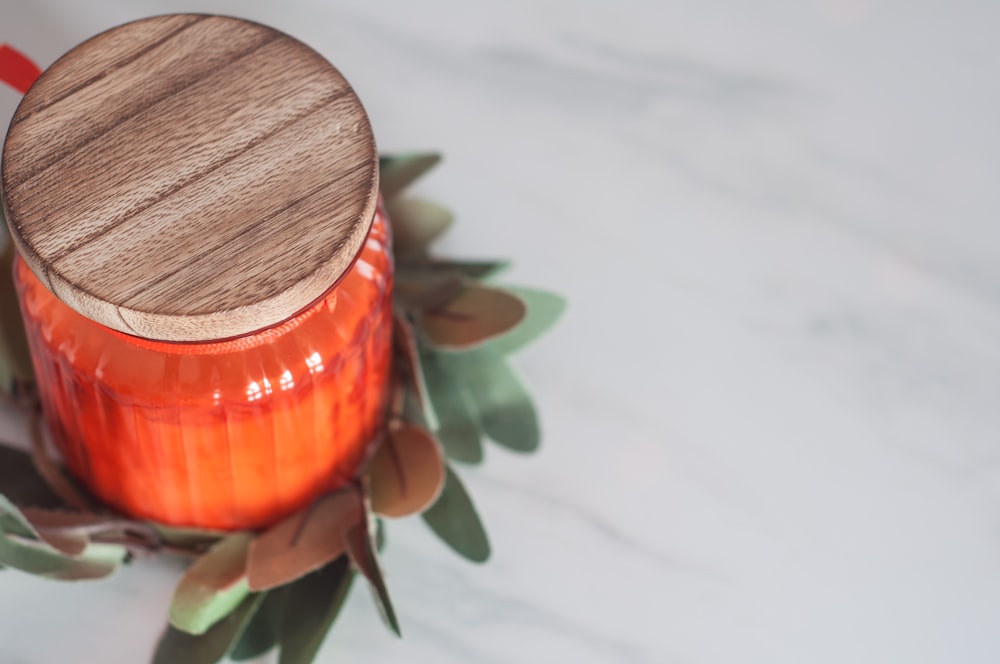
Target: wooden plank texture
(190, 177)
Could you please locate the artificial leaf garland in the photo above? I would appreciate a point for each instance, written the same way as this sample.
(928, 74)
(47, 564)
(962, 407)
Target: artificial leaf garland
(248, 592)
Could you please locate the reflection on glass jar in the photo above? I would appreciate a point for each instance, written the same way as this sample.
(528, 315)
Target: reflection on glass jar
(204, 268)
(222, 435)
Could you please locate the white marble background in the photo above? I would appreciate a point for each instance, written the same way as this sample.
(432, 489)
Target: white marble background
(772, 413)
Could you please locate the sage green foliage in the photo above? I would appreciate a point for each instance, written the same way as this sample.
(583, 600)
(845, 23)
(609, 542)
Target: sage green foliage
(423, 222)
(459, 430)
(12, 521)
(21, 549)
(496, 398)
(213, 586)
(35, 557)
(176, 646)
(296, 618)
(261, 633)
(473, 393)
(313, 603)
(476, 392)
(453, 517)
(544, 310)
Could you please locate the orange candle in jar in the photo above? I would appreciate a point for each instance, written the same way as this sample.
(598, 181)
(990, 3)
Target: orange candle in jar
(206, 280)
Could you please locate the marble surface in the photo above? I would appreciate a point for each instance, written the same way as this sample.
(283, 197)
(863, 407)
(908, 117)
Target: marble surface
(772, 412)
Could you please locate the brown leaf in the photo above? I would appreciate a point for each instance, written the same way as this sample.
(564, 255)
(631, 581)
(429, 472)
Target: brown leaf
(409, 357)
(407, 472)
(361, 551)
(305, 541)
(61, 530)
(420, 294)
(416, 223)
(476, 315)
(76, 521)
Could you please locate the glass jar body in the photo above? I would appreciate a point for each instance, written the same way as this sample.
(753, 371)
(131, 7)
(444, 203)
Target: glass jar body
(231, 434)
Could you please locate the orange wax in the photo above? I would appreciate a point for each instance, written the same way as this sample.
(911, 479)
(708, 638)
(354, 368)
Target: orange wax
(230, 434)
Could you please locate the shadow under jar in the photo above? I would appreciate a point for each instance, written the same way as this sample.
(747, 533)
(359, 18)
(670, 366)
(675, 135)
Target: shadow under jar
(204, 270)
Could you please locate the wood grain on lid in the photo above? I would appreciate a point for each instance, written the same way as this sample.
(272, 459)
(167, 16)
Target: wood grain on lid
(190, 177)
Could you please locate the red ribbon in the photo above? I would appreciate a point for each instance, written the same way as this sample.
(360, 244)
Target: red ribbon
(16, 70)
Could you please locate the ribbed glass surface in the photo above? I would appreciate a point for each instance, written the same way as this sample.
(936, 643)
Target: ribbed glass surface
(232, 434)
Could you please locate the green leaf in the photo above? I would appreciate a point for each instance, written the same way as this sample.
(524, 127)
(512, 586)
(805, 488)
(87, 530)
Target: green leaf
(416, 223)
(213, 586)
(408, 356)
(34, 557)
(313, 603)
(24, 546)
(261, 634)
(69, 531)
(176, 647)
(97, 561)
(13, 521)
(398, 172)
(460, 433)
(361, 548)
(453, 517)
(544, 309)
(458, 422)
(505, 409)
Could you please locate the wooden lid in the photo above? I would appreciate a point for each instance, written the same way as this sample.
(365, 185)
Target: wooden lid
(190, 177)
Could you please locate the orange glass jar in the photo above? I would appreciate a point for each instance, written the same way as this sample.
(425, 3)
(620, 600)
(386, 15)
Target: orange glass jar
(222, 435)
(209, 310)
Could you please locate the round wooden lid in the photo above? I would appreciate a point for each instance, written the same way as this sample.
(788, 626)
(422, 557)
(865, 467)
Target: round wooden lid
(190, 177)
